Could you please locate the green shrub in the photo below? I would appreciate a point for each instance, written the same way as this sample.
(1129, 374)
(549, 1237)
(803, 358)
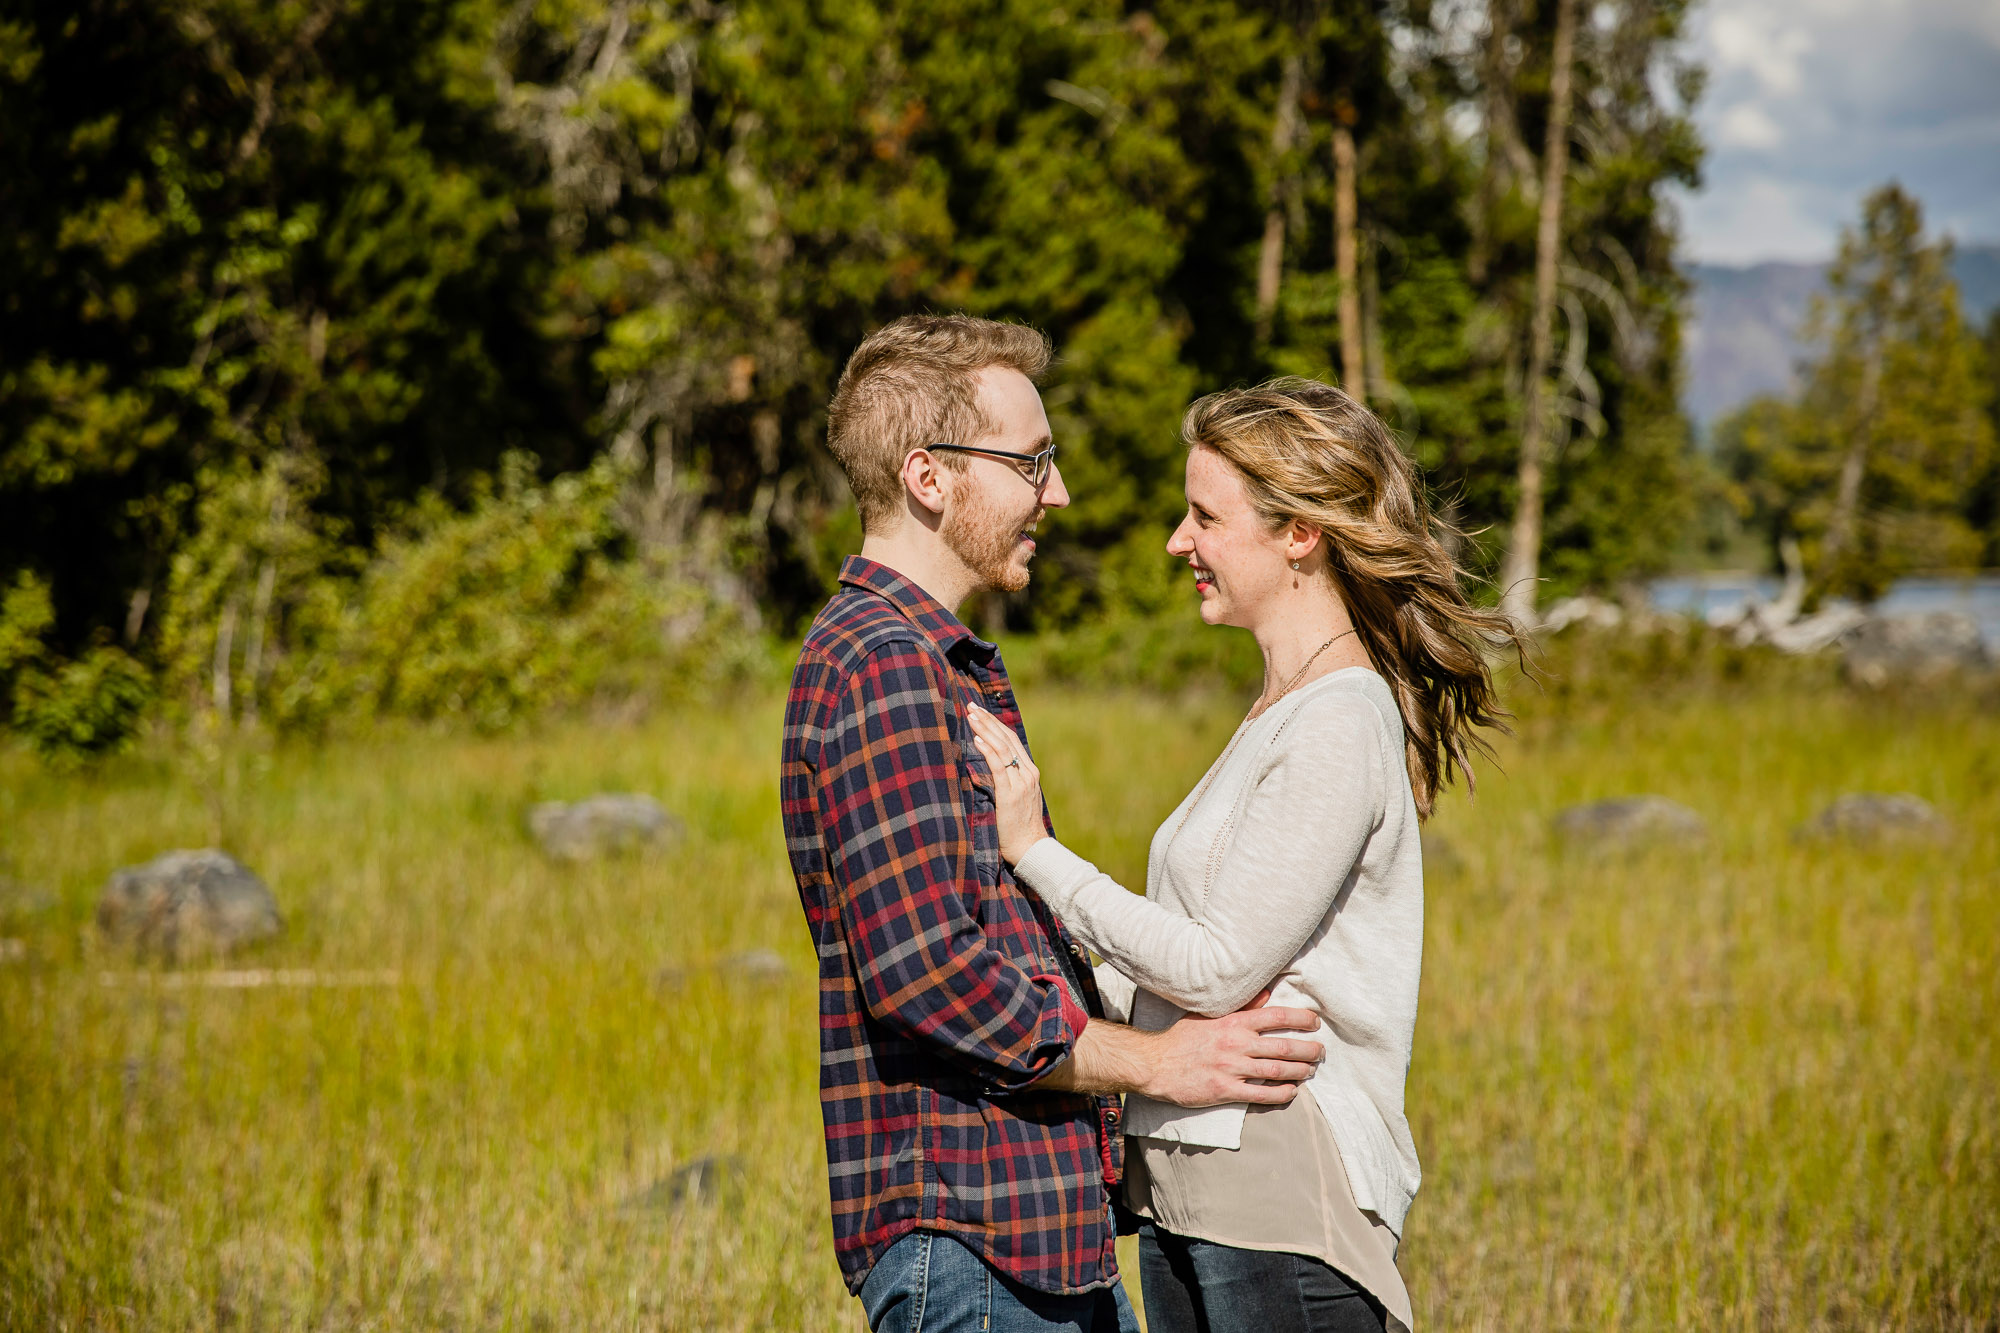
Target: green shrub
(85, 709)
(71, 712)
(26, 613)
(532, 601)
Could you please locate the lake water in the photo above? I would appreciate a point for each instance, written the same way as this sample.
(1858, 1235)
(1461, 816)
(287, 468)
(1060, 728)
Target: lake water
(1714, 595)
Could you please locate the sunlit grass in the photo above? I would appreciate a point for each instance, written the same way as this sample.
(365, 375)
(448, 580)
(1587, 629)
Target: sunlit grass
(1750, 1083)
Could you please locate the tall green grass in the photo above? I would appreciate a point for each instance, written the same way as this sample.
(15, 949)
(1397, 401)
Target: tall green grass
(1748, 1083)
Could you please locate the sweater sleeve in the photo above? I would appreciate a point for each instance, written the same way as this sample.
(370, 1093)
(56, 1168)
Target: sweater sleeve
(1318, 794)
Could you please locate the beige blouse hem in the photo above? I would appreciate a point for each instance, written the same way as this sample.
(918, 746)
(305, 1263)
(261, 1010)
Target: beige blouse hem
(1284, 1190)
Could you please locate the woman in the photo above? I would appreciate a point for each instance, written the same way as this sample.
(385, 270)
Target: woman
(1293, 866)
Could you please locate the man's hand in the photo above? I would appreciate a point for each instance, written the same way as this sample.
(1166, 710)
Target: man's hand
(1239, 1057)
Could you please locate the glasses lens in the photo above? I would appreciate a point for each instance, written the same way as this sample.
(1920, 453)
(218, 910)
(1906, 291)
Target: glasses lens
(1043, 462)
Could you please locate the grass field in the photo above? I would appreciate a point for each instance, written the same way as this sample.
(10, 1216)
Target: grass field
(1743, 1084)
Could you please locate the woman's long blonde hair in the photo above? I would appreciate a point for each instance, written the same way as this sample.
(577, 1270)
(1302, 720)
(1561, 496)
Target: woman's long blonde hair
(1311, 454)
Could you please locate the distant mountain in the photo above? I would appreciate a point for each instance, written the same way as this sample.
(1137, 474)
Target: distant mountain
(1742, 331)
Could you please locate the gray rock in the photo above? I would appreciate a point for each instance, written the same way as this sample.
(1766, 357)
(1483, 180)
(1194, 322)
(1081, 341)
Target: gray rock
(761, 967)
(1631, 822)
(1874, 817)
(188, 903)
(1440, 854)
(704, 1178)
(1922, 647)
(600, 825)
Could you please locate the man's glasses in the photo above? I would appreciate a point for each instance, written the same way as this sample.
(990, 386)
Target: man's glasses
(1038, 464)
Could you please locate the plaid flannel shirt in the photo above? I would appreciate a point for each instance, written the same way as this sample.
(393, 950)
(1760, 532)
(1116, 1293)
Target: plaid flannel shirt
(946, 991)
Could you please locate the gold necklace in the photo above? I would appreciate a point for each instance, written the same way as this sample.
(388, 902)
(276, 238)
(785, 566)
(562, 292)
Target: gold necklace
(1300, 674)
(1243, 726)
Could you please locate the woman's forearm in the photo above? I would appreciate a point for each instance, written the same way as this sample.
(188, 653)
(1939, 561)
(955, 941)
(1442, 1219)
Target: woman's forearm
(1174, 956)
(1289, 850)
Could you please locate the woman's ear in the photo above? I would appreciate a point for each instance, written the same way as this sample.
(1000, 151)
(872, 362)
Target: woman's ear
(1301, 540)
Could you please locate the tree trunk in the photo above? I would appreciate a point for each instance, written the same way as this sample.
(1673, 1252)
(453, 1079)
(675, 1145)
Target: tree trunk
(253, 656)
(1841, 524)
(1506, 158)
(1523, 564)
(1270, 271)
(135, 612)
(260, 610)
(1346, 263)
(225, 648)
(1375, 362)
(1271, 256)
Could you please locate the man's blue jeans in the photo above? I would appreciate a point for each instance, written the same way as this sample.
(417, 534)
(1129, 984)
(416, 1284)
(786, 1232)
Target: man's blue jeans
(929, 1283)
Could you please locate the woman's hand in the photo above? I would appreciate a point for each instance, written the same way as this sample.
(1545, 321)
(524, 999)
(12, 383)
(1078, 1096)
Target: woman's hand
(1017, 784)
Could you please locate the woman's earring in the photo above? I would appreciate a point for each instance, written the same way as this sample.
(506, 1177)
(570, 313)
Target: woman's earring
(1295, 564)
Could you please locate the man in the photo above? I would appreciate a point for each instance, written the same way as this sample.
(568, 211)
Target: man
(968, 1077)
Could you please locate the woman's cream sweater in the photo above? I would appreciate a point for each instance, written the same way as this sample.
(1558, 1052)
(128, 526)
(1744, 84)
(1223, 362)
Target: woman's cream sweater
(1297, 865)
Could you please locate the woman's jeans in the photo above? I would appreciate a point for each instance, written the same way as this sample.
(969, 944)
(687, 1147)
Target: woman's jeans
(1197, 1286)
(929, 1283)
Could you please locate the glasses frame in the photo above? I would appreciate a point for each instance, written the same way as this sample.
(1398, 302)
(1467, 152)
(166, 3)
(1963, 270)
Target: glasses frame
(1043, 462)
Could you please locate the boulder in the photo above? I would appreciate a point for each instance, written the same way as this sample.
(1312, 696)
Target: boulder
(1874, 817)
(1629, 822)
(599, 825)
(1441, 856)
(760, 967)
(188, 903)
(1920, 647)
(704, 1178)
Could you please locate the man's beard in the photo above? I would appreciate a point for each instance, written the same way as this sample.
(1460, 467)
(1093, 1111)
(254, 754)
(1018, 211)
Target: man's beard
(981, 536)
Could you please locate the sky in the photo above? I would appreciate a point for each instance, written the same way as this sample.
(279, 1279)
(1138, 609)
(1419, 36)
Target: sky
(1812, 103)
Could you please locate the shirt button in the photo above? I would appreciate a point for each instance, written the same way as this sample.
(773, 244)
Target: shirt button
(1111, 1116)
(1075, 949)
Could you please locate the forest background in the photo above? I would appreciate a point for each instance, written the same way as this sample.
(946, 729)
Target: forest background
(444, 380)
(367, 358)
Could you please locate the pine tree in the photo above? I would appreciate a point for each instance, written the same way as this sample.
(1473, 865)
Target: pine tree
(1892, 434)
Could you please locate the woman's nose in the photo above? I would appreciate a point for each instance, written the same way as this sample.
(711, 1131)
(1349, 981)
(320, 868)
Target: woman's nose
(1180, 543)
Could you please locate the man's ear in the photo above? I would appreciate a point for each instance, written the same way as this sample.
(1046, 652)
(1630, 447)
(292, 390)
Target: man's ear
(924, 481)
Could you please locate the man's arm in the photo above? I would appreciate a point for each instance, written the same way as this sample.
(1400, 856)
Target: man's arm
(1239, 1057)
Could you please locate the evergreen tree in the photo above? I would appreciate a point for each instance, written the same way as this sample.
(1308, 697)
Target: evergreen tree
(1877, 469)
(284, 280)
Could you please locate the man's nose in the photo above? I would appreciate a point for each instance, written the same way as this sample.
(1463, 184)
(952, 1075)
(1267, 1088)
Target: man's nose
(1054, 495)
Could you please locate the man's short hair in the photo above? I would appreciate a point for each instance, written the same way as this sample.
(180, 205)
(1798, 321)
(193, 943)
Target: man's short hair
(911, 385)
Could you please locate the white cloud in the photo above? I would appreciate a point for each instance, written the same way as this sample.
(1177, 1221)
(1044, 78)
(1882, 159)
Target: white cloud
(1748, 125)
(1751, 38)
(1762, 217)
(1812, 103)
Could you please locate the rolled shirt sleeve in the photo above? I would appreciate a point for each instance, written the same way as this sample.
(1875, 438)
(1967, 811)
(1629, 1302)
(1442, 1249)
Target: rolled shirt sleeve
(902, 860)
